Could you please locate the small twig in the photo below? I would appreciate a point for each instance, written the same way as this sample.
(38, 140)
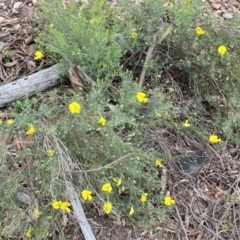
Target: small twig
(112, 163)
(156, 39)
(221, 161)
(184, 230)
(5, 35)
(149, 55)
(163, 180)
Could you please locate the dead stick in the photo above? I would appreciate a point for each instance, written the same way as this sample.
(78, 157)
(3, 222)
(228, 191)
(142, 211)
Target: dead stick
(149, 55)
(221, 161)
(79, 213)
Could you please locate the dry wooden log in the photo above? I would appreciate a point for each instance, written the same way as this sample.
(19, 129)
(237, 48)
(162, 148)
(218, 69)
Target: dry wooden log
(79, 213)
(28, 86)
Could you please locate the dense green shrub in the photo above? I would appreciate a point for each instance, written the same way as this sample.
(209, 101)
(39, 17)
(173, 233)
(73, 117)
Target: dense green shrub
(100, 135)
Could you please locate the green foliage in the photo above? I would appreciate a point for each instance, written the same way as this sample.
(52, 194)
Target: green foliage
(185, 77)
(211, 78)
(27, 103)
(85, 35)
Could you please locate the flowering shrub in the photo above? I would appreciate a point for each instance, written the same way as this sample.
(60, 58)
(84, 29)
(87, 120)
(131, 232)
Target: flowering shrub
(105, 136)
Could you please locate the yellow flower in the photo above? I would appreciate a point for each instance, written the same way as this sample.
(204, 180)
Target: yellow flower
(138, 158)
(51, 25)
(10, 122)
(29, 233)
(131, 212)
(31, 130)
(61, 205)
(214, 139)
(65, 206)
(118, 181)
(0, 225)
(74, 108)
(199, 31)
(106, 187)
(93, 20)
(186, 123)
(50, 152)
(1, 122)
(222, 50)
(171, 89)
(144, 197)
(36, 213)
(86, 195)
(107, 207)
(158, 163)
(141, 97)
(134, 35)
(56, 204)
(38, 55)
(102, 121)
(168, 201)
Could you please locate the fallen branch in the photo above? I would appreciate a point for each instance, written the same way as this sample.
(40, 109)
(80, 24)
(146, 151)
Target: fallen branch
(156, 40)
(79, 213)
(148, 57)
(28, 86)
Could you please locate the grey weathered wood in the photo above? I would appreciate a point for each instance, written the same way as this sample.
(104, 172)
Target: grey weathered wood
(73, 197)
(28, 86)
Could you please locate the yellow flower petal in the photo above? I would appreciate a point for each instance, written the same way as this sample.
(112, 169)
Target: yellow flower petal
(10, 122)
(131, 212)
(86, 195)
(107, 207)
(141, 97)
(168, 201)
(144, 197)
(56, 204)
(38, 55)
(106, 187)
(74, 108)
(118, 181)
(199, 31)
(134, 35)
(31, 130)
(158, 163)
(65, 206)
(29, 233)
(50, 152)
(186, 123)
(102, 121)
(214, 139)
(222, 50)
